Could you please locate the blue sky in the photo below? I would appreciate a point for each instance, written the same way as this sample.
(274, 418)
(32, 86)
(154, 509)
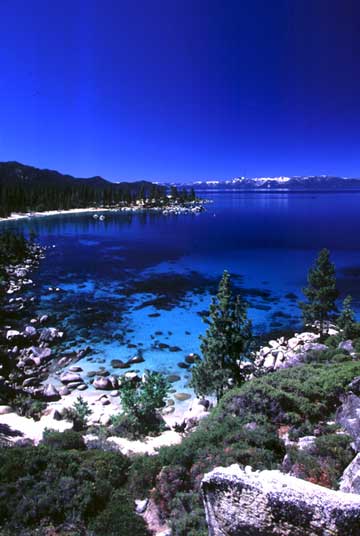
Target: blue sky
(190, 89)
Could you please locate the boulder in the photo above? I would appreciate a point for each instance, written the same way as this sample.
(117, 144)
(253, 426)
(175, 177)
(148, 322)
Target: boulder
(306, 443)
(354, 386)
(348, 416)
(314, 347)
(64, 391)
(70, 377)
(350, 480)
(347, 346)
(119, 364)
(11, 333)
(141, 505)
(182, 396)
(75, 368)
(242, 502)
(103, 384)
(135, 360)
(30, 331)
(40, 353)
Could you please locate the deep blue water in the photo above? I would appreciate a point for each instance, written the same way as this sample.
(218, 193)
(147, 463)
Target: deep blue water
(114, 274)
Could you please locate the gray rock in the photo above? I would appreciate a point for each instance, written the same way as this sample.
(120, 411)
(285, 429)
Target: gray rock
(11, 333)
(51, 393)
(354, 386)
(64, 391)
(30, 331)
(307, 443)
(70, 377)
(40, 353)
(103, 384)
(314, 347)
(241, 502)
(75, 368)
(350, 480)
(347, 346)
(74, 385)
(348, 416)
(114, 382)
(141, 505)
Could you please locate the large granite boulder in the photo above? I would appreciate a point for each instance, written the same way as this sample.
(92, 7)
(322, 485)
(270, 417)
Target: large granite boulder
(350, 480)
(246, 503)
(348, 416)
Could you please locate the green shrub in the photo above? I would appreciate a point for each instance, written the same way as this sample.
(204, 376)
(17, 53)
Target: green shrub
(67, 440)
(326, 463)
(142, 476)
(118, 518)
(26, 406)
(78, 414)
(187, 515)
(141, 402)
(46, 486)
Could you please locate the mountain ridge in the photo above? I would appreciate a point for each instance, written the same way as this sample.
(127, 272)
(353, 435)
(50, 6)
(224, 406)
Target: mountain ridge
(306, 182)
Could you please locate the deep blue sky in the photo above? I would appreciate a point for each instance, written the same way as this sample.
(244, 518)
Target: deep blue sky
(181, 89)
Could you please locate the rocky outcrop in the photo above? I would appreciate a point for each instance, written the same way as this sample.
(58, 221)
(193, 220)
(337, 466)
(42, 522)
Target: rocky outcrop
(285, 353)
(246, 503)
(348, 416)
(350, 481)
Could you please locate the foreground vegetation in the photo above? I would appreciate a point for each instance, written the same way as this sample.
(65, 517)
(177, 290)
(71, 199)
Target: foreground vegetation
(63, 487)
(60, 484)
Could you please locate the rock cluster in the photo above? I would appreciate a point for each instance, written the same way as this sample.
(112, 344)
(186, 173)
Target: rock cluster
(243, 502)
(284, 353)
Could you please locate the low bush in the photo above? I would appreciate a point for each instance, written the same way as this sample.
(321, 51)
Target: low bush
(26, 406)
(326, 463)
(67, 440)
(43, 487)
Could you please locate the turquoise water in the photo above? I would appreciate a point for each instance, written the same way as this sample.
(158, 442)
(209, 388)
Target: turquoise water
(136, 281)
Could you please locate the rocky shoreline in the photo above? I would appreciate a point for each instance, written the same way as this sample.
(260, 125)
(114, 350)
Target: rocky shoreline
(190, 207)
(40, 372)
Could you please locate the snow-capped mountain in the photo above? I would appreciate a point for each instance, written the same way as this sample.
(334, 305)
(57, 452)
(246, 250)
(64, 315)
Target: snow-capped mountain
(315, 182)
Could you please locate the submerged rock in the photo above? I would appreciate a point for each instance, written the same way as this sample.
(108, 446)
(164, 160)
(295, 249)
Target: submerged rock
(182, 396)
(119, 364)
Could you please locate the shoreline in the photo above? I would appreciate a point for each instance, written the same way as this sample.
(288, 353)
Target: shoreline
(193, 207)
(28, 215)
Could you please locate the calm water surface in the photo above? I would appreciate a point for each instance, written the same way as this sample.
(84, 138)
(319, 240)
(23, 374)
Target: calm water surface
(135, 281)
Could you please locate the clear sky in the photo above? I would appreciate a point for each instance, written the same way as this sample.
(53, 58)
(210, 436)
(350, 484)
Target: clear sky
(181, 89)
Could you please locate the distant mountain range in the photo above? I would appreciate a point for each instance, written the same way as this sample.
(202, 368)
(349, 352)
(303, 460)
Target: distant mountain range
(16, 174)
(322, 182)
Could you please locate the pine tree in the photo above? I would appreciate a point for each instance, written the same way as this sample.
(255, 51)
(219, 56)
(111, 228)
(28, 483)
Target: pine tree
(225, 344)
(321, 292)
(346, 321)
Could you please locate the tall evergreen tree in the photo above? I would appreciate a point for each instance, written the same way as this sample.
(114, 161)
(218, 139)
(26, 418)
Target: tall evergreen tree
(346, 321)
(321, 292)
(225, 344)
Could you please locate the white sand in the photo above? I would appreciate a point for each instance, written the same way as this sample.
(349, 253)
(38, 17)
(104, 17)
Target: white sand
(20, 216)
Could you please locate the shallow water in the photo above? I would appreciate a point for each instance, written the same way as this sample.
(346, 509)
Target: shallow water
(137, 281)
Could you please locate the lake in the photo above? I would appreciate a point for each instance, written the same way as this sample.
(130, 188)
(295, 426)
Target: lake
(143, 281)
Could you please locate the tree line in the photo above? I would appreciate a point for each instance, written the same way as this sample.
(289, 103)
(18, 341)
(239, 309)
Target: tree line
(27, 198)
(228, 342)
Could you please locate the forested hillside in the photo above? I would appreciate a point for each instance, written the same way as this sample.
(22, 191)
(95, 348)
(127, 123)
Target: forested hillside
(25, 188)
